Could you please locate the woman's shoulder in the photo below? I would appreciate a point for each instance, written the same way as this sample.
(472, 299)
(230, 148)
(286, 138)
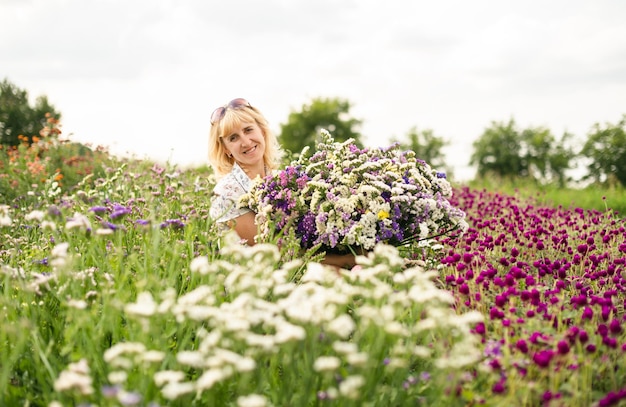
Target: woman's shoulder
(235, 180)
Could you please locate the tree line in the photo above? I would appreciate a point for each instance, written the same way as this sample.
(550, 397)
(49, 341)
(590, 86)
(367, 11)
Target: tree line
(503, 150)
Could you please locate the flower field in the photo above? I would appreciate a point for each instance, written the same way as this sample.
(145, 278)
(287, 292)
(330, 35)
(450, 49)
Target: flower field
(119, 292)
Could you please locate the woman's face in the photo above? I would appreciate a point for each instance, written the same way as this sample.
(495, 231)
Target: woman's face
(246, 144)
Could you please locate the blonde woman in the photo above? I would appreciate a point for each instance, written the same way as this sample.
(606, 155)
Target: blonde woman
(241, 148)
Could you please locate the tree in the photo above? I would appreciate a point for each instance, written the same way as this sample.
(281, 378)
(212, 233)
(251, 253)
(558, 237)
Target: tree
(17, 117)
(498, 150)
(303, 128)
(606, 150)
(547, 158)
(426, 146)
(535, 153)
(560, 159)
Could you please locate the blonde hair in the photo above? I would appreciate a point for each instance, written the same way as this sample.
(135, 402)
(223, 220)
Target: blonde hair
(234, 117)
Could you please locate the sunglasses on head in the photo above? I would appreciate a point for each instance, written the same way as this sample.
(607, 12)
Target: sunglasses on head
(218, 114)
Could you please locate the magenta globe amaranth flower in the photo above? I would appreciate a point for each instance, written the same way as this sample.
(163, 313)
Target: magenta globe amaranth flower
(587, 313)
(615, 327)
(499, 387)
(543, 358)
(522, 346)
(563, 347)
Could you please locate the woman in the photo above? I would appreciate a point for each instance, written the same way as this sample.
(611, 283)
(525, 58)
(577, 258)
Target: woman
(241, 148)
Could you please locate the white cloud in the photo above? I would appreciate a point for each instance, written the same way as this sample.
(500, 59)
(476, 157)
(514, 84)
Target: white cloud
(143, 76)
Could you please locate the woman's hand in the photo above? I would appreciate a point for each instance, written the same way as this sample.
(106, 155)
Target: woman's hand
(346, 261)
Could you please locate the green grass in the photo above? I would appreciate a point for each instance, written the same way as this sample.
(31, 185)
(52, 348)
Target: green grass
(596, 197)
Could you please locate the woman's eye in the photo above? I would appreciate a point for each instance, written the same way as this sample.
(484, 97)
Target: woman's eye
(232, 138)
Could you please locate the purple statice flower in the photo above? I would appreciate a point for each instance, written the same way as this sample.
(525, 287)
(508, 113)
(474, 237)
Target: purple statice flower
(322, 395)
(302, 180)
(284, 176)
(306, 229)
(333, 239)
(493, 349)
(97, 209)
(110, 391)
(43, 262)
(157, 169)
(119, 211)
(112, 226)
(130, 398)
(173, 223)
(54, 210)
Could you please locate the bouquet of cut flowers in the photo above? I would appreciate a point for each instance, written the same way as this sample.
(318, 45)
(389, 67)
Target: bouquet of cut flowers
(344, 198)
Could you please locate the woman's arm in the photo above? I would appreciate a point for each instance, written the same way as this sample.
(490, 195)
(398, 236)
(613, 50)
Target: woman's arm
(245, 227)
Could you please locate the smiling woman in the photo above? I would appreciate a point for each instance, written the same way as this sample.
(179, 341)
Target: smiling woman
(241, 148)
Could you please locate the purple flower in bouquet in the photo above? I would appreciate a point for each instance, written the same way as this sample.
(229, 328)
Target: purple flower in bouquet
(344, 197)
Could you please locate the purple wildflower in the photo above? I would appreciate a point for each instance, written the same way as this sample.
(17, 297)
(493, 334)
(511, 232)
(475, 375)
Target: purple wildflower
(119, 211)
(98, 209)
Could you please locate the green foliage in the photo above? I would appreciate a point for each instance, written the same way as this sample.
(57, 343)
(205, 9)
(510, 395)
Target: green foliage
(303, 128)
(606, 148)
(426, 145)
(497, 151)
(18, 117)
(535, 153)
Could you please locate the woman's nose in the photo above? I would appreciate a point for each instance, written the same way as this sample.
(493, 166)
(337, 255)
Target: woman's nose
(245, 140)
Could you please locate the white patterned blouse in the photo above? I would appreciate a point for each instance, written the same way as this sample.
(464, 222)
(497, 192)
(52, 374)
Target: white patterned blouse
(227, 192)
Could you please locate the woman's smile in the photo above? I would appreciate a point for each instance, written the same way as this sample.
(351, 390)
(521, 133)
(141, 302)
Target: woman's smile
(251, 150)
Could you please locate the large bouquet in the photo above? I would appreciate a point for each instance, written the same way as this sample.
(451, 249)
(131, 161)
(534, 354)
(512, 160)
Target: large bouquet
(344, 198)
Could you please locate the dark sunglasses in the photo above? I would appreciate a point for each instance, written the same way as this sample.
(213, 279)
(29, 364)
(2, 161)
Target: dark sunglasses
(219, 113)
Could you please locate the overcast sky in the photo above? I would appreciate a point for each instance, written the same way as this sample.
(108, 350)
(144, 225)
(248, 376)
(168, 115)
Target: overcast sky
(143, 76)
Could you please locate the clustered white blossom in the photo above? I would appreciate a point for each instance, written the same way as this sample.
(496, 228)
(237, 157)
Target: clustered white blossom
(255, 312)
(75, 378)
(5, 219)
